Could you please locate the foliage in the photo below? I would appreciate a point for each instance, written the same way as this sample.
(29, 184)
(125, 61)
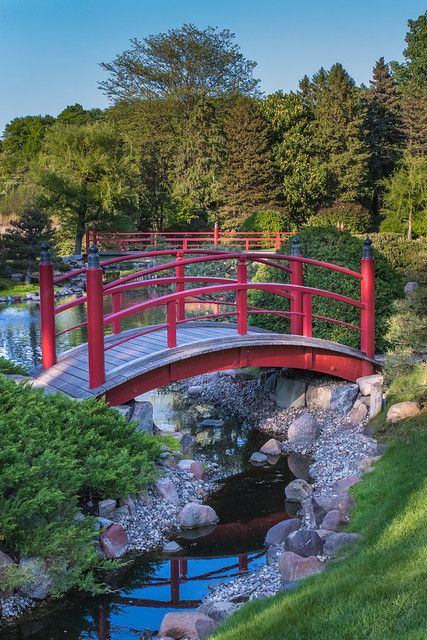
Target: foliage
(341, 248)
(351, 215)
(56, 455)
(415, 66)
(378, 590)
(21, 242)
(406, 378)
(407, 257)
(248, 179)
(414, 117)
(10, 288)
(267, 221)
(408, 325)
(405, 198)
(182, 64)
(7, 366)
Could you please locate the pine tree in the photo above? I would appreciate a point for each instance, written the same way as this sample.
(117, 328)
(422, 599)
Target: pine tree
(414, 117)
(340, 131)
(384, 127)
(21, 242)
(249, 181)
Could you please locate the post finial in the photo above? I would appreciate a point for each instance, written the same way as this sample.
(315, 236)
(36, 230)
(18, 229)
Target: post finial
(45, 254)
(93, 257)
(367, 248)
(295, 246)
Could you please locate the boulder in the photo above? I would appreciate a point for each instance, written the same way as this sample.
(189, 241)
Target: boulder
(205, 628)
(332, 520)
(183, 625)
(193, 467)
(295, 567)
(290, 393)
(336, 541)
(304, 542)
(258, 459)
(39, 579)
(271, 448)
(210, 423)
(318, 396)
(410, 287)
(298, 490)
(5, 563)
(125, 410)
(299, 465)
(217, 610)
(130, 504)
(402, 410)
(341, 502)
(280, 531)
(375, 400)
(343, 397)
(304, 430)
(359, 412)
(171, 547)
(166, 489)
(188, 442)
(365, 383)
(194, 515)
(343, 484)
(143, 415)
(194, 390)
(114, 541)
(107, 508)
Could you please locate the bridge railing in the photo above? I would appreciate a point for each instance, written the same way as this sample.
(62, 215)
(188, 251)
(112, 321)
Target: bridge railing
(300, 297)
(138, 240)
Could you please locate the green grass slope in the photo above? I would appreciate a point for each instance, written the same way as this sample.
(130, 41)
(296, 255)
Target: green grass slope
(379, 592)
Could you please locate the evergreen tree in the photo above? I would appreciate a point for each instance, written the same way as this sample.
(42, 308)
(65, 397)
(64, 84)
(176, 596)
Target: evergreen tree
(384, 127)
(249, 181)
(414, 117)
(21, 242)
(414, 69)
(339, 131)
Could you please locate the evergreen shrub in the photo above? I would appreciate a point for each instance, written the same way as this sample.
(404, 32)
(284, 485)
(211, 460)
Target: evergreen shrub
(353, 216)
(269, 221)
(344, 249)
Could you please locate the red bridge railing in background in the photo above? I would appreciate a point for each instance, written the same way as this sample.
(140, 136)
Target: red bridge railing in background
(300, 297)
(139, 240)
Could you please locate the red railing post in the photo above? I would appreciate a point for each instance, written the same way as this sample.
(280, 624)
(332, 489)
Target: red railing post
(94, 236)
(87, 239)
(307, 318)
(367, 296)
(117, 306)
(297, 278)
(277, 242)
(171, 320)
(216, 234)
(47, 308)
(242, 298)
(180, 286)
(95, 320)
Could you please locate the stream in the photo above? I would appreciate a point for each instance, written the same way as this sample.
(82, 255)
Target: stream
(248, 501)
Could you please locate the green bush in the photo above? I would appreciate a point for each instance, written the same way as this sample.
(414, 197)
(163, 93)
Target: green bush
(341, 248)
(7, 366)
(407, 257)
(353, 216)
(268, 221)
(407, 327)
(58, 456)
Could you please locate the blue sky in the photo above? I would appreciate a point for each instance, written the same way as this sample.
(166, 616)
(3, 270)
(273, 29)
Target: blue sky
(50, 49)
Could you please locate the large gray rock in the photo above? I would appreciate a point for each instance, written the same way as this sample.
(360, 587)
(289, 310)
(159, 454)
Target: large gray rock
(143, 415)
(402, 410)
(304, 430)
(410, 287)
(166, 489)
(194, 515)
(258, 459)
(107, 508)
(5, 564)
(188, 442)
(193, 467)
(375, 400)
(365, 383)
(280, 531)
(304, 542)
(332, 520)
(318, 396)
(295, 567)
(271, 448)
(125, 410)
(183, 625)
(114, 541)
(39, 581)
(299, 465)
(218, 610)
(341, 502)
(298, 490)
(171, 547)
(343, 397)
(211, 423)
(337, 541)
(290, 393)
(359, 412)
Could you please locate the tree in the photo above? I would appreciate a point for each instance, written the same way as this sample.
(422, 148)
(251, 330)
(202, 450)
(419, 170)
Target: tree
(405, 198)
(21, 242)
(414, 117)
(87, 175)
(181, 64)
(301, 166)
(339, 131)
(384, 127)
(75, 114)
(414, 68)
(248, 181)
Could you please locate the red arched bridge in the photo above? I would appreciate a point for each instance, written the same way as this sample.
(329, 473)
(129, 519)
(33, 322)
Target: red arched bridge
(127, 363)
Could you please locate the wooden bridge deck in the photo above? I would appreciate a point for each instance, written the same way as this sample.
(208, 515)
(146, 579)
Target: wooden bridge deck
(196, 341)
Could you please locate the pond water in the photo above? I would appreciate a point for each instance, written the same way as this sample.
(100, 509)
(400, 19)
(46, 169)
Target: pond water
(249, 501)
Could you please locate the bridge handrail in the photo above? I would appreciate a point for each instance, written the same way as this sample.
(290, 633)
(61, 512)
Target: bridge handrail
(300, 296)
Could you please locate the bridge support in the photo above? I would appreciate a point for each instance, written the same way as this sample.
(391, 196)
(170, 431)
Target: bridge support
(297, 278)
(95, 320)
(367, 296)
(47, 308)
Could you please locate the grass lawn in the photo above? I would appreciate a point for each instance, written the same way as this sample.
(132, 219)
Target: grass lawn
(379, 592)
